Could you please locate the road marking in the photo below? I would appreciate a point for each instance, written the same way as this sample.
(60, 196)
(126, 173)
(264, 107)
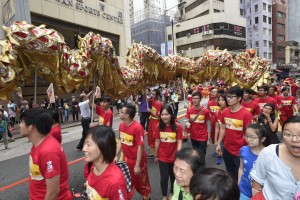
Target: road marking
(69, 164)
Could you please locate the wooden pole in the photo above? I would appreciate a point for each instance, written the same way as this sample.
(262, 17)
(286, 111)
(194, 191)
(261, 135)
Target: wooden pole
(93, 101)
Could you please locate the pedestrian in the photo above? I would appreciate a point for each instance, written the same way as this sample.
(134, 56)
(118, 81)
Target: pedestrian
(85, 111)
(269, 121)
(56, 128)
(289, 105)
(155, 105)
(223, 104)
(45, 104)
(255, 136)
(12, 108)
(104, 112)
(104, 179)
(175, 102)
(199, 125)
(276, 173)
(131, 141)
(47, 162)
(250, 104)
(213, 183)
(74, 109)
(168, 134)
(264, 98)
(234, 121)
(188, 162)
(144, 116)
(213, 108)
(3, 128)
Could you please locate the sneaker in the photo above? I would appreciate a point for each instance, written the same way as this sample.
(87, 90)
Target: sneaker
(215, 155)
(6, 146)
(150, 156)
(219, 160)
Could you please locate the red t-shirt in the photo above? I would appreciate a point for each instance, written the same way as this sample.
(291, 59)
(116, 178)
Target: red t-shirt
(261, 102)
(277, 98)
(198, 130)
(156, 107)
(168, 142)
(287, 105)
(213, 107)
(252, 107)
(105, 117)
(131, 137)
(110, 184)
(294, 88)
(235, 127)
(46, 161)
(200, 89)
(56, 132)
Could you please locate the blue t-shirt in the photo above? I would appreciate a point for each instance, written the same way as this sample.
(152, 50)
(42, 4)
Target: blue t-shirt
(248, 158)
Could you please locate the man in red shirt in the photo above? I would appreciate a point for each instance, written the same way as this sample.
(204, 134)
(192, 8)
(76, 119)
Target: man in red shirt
(47, 162)
(234, 121)
(199, 124)
(248, 103)
(289, 105)
(104, 112)
(272, 93)
(264, 98)
(131, 141)
(156, 106)
(213, 107)
(294, 88)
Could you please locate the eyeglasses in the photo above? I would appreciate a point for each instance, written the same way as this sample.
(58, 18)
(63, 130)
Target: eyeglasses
(250, 138)
(290, 136)
(196, 98)
(231, 97)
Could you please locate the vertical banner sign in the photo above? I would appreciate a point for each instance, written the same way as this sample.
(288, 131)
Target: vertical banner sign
(50, 93)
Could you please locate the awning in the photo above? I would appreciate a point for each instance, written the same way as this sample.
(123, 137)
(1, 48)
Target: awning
(277, 70)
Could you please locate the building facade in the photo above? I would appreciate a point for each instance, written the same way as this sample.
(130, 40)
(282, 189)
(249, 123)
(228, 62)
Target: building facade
(293, 20)
(208, 24)
(258, 14)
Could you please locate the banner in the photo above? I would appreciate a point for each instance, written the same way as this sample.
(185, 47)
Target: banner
(50, 93)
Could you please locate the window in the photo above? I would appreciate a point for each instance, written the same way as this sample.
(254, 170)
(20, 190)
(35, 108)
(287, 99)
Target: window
(256, 20)
(256, 43)
(216, 11)
(280, 48)
(270, 32)
(265, 54)
(264, 6)
(269, 8)
(270, 20)
(250, 21)
(265, 19)
(280, 14)
(270, 44)
(280, 26)
(281, 37)
(265, 31)
(256, 8)
(270, 55)
(241, 12)
(265, 43)
(250, 10)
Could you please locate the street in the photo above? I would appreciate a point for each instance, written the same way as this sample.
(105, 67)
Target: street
(15, 169)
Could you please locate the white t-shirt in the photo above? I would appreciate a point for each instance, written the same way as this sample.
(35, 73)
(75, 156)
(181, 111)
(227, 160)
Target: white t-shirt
(275, 176)
(85, 109)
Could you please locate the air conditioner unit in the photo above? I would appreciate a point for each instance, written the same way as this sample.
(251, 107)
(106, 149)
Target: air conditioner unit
(270, 42)
(210, 32)
(188, 35)
(254, 25)
(180, 52)
(222, 27)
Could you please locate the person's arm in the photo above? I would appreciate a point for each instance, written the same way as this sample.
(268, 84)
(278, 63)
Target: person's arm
(256, 187)
(52, 185)
(273, 125)
(295, 108)
(221, 136)
(179, 145)
(240, 172)
(217, 130)
(119, 147)
(208, 124)
(137, 168)
(156, 146)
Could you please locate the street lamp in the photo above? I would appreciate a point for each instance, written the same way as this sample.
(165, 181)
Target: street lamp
(166, 33)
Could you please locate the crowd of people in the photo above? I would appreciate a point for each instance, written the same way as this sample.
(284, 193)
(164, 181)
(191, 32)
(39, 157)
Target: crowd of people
(242, 124)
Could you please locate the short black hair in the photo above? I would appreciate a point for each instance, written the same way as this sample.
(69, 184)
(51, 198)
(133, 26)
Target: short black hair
(191, 156)
(213, 183)
(157, 92)
(236, 90)
(105, 98)
(285, 88)
(105, 139)
(248, 90)
(38, 117)
(130, 110)
(294, 119)
(198, 94)
(264, 87)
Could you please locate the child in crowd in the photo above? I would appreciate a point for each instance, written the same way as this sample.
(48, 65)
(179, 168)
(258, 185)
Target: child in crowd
(255, 135)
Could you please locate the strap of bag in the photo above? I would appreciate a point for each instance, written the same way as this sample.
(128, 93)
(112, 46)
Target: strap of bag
(200, 112)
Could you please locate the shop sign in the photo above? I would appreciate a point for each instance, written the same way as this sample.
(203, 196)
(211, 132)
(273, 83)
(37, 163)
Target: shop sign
(99, 12)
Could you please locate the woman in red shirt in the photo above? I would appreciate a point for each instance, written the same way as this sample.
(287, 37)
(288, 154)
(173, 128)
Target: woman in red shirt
(56, 128)
(168, 140)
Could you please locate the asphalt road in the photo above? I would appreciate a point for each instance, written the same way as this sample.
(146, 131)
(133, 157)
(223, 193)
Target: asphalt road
(14, 165)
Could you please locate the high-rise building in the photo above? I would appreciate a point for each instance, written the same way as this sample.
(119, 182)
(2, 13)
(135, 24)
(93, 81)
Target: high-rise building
(258, 14)
(208, 24)
(293, 20)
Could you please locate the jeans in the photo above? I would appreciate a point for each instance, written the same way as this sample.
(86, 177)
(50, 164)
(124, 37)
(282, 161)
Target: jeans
(166, 171)
(232, 163)
(144, 119)
(66, 115)
(200, 145)
(85, 122)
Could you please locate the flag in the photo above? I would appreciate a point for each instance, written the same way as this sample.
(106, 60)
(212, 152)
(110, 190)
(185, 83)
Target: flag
(50, 93)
